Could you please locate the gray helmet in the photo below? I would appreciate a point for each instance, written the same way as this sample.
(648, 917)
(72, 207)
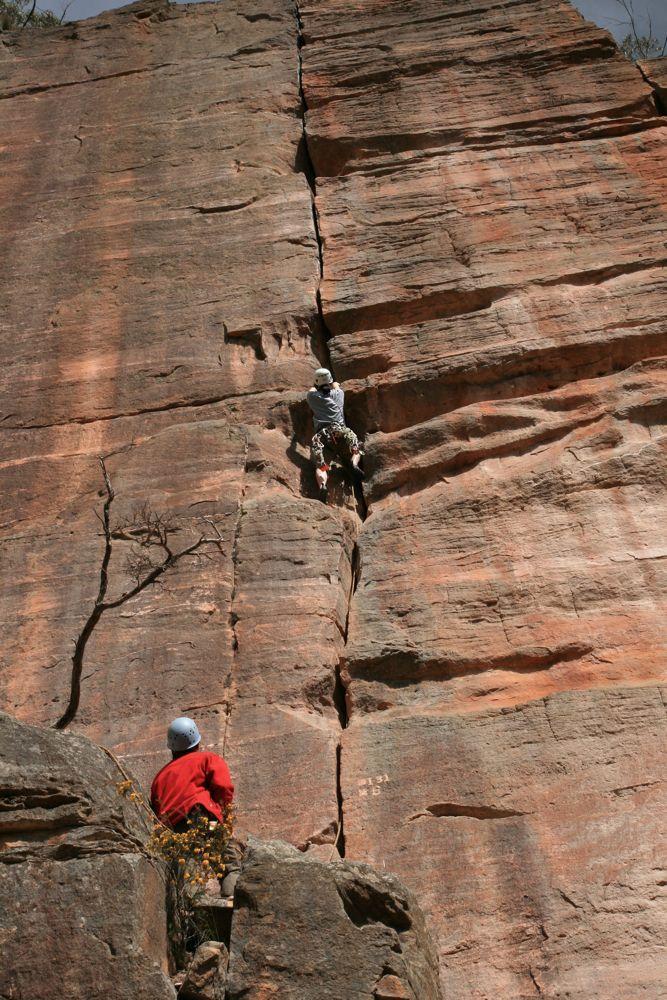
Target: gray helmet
(323, 377)
(182, 735)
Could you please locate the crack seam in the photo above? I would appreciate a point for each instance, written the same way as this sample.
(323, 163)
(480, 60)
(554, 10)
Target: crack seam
(233, 620)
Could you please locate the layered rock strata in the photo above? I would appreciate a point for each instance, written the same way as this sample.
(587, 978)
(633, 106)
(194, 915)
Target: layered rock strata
(82, 906)
(169, 322)
(491, 195)
(462, 208)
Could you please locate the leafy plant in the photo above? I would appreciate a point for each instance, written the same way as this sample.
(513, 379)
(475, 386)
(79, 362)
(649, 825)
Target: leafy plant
(192, 856)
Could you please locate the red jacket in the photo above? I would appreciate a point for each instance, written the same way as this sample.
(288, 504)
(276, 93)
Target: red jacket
(197, 778)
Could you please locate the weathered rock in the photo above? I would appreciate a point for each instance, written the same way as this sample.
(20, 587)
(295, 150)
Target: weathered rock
(293, 580)
(490, 194)
(531, 835)
(417, 75)
(655, 73)
(494, 280)
(170, 322)
(304, 930)
(391, 986)
(462, 245)
(82, 908)
(207, 973)
(147, 311)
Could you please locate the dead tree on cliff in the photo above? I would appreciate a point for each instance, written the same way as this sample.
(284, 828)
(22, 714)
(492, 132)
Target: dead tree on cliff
(150, 534)
(636, 45)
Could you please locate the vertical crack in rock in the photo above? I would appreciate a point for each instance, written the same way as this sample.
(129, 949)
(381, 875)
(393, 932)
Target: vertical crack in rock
(305, 160)
(306, 163)
(233, 618)
(340, 699)
(339, 797)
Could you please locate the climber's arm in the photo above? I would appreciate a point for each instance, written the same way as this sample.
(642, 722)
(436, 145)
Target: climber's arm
(219, 780)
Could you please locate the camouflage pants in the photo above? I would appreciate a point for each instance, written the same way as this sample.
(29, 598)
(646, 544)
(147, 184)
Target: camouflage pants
(334, 438)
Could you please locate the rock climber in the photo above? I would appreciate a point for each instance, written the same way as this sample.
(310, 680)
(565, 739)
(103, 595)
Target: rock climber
(326, 400)
(194, 782)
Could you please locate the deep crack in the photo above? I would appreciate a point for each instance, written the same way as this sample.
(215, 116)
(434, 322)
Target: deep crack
(305, 162)
(233, 617)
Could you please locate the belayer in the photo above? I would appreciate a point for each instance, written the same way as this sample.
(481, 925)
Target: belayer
(194, 783)
(326, 400)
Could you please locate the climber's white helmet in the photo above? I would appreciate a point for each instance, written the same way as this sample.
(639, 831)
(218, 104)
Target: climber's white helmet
(182, 735)
(323, 377)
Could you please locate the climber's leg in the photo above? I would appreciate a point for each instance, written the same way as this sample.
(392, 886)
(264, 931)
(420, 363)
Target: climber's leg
(232, 858)
(346, 444)
(317, 445)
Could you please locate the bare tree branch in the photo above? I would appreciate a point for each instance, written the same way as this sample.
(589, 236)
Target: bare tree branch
(30, 13)
(66, 7)
(636, 46)
(146, 529)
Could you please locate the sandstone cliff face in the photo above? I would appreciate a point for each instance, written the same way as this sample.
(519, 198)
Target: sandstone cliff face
(463, 207)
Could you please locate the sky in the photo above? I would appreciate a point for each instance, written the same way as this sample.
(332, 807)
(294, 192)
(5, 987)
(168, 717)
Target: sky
(607, 13)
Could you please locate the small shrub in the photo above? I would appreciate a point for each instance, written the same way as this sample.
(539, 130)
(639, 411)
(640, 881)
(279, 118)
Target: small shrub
(192, 857)
(636, 45)
(17, 14)
(642, 47)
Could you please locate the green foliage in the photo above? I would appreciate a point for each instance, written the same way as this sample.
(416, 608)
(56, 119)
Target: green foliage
(17, 14)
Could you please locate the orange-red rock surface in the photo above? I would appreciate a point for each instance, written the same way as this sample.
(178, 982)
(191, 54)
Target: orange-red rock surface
(493, 214)
(654, 72)
(160, 310)
(485, 270)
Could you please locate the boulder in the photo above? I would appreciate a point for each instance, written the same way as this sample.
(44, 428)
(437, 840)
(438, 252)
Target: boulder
(308, 930)
(81, 905)
(207, 973)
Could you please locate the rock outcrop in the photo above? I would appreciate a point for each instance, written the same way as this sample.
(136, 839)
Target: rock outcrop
(654, 72)
(206, 976)
(463, 208)
(81, 905)
(307, 930)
